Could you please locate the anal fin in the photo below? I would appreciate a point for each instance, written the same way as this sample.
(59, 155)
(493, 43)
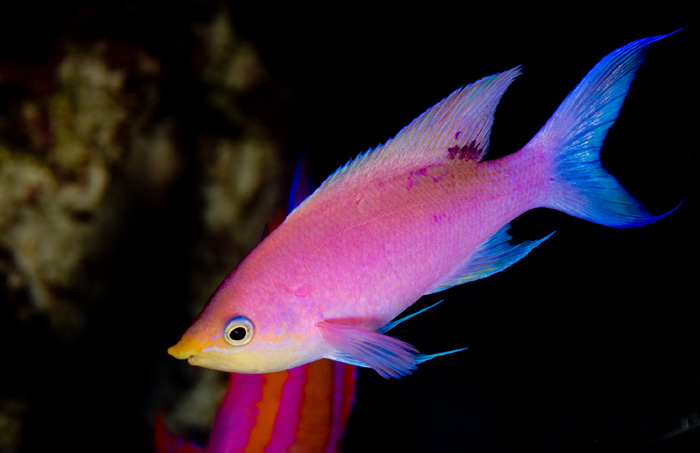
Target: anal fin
(494, 255)
(396, 322)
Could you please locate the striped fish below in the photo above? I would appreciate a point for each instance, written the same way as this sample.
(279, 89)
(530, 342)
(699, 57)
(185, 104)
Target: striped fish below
(302, 409)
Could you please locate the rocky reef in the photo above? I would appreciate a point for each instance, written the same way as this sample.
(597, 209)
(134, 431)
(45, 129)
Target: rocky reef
(137, 166)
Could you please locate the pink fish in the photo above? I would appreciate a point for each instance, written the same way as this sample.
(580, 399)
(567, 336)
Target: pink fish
(418, 215)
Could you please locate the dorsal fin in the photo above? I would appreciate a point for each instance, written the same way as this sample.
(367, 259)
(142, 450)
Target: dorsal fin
(457, 127)
(463, 119)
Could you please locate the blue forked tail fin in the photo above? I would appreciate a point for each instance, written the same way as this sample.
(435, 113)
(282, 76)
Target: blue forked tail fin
(572, 138)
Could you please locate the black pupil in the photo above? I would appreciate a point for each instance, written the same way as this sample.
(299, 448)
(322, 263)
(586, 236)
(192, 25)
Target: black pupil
(237, 334)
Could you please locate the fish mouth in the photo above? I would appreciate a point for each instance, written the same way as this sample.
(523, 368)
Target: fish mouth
(186, 349)
(196, 360)
(211, 360)
(193, 351)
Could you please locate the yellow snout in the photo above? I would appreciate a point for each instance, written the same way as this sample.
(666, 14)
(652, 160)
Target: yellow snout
(185, 348)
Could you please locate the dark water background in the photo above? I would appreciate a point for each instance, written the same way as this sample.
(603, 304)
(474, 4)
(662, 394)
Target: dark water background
(591, 343)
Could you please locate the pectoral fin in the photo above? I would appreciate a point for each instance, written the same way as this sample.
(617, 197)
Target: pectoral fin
(388, 356)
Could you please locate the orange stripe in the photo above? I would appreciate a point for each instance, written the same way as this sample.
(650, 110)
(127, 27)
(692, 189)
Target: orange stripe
(316, 411)
(269, 404)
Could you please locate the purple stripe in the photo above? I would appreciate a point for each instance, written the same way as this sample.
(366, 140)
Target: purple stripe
(237, 414)
(289, 413)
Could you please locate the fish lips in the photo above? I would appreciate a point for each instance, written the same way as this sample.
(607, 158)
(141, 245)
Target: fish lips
(186, 348)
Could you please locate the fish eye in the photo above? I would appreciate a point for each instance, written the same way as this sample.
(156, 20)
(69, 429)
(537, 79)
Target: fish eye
(239, 331)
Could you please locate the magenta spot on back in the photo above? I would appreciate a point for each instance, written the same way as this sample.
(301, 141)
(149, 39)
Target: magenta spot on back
(470, 151)
(457, 135)
(424, 172)
(453, 150)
